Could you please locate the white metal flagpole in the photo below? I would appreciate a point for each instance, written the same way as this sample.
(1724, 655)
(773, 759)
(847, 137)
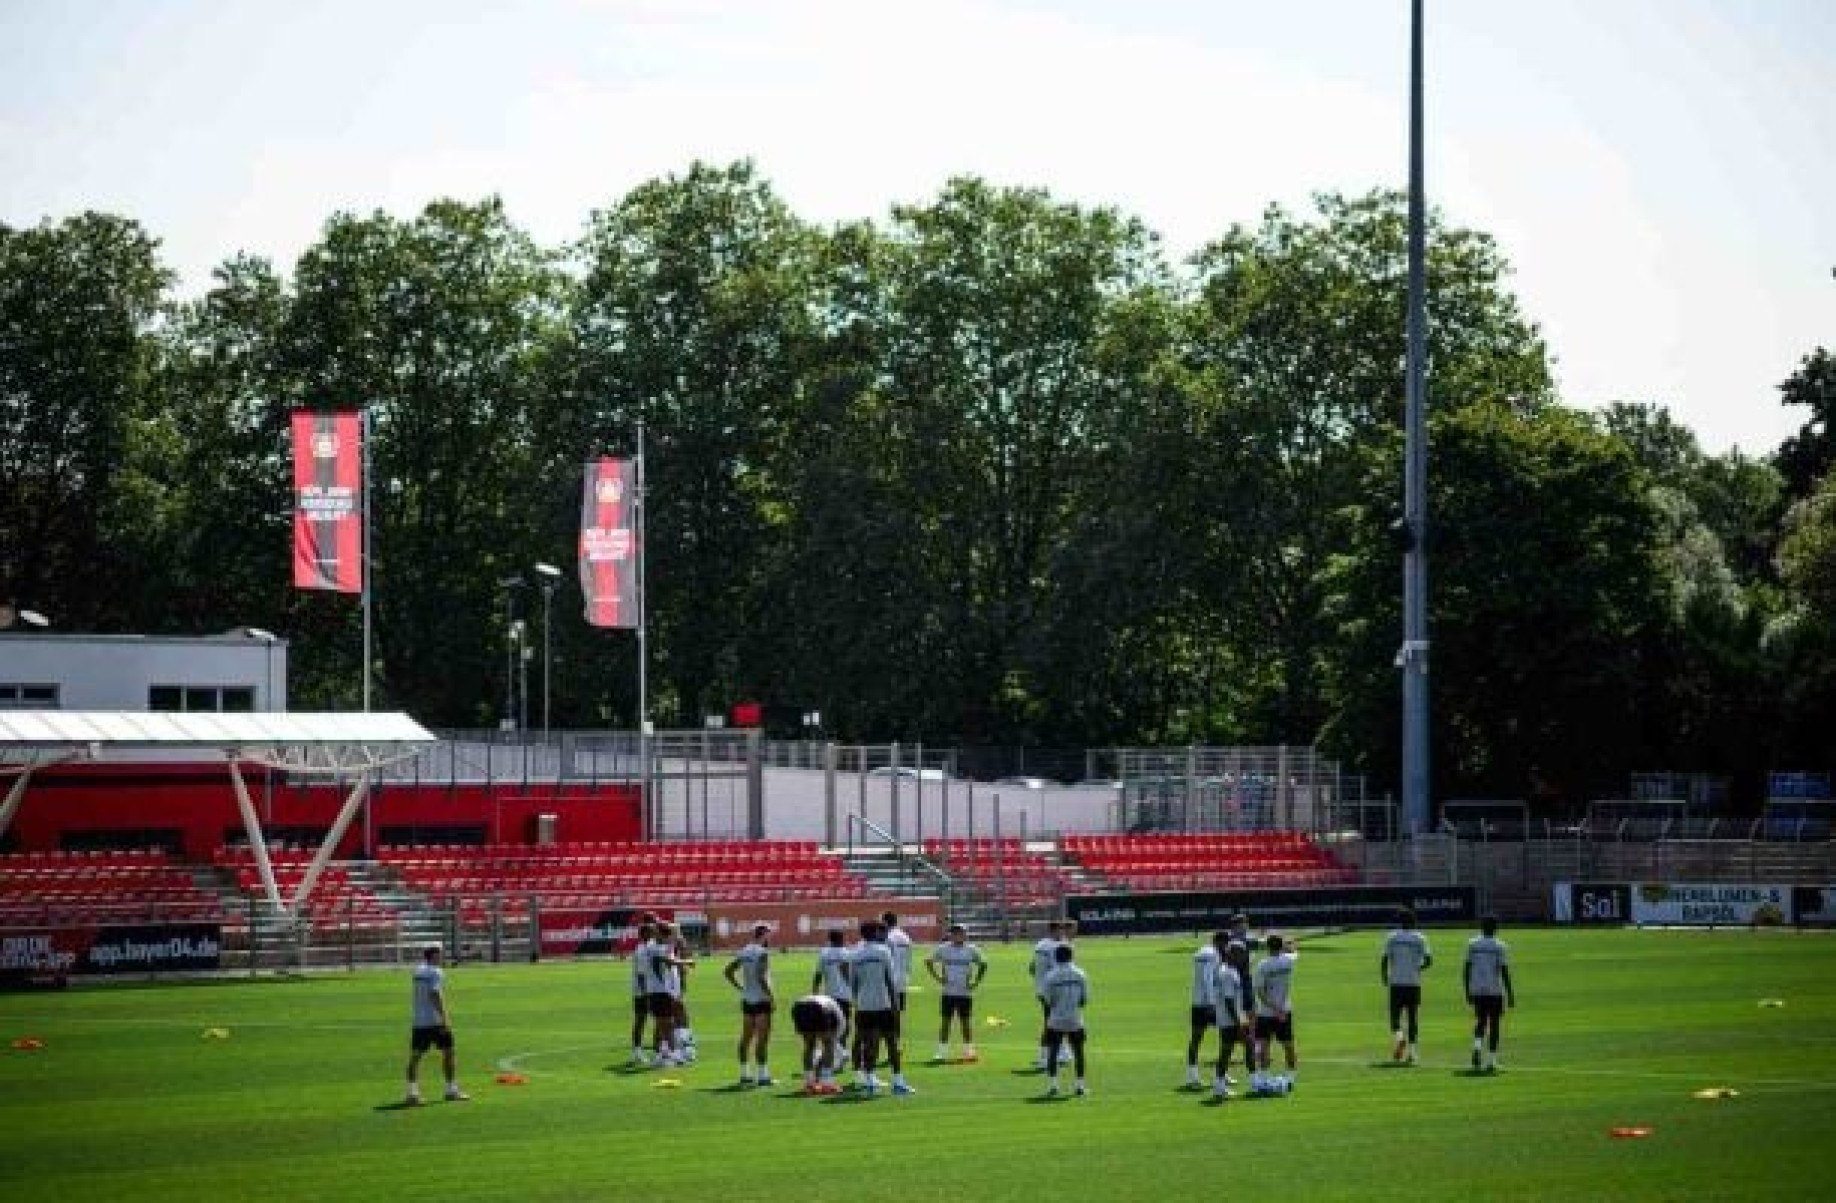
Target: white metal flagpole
(366, 557)
(652, 825)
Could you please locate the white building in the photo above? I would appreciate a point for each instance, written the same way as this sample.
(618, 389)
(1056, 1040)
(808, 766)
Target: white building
(244, 670)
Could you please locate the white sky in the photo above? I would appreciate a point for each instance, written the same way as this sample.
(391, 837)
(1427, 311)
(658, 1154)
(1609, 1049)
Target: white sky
(1662, 173)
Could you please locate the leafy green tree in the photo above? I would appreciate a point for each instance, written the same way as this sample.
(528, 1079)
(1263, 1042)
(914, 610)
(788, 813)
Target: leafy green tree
(216, 554)
(696, 316)
(1547, 600)
(78, 301)
(1807, 456)
(1002, 416)
(1297, 367)
(441, 325)
(1803, 639)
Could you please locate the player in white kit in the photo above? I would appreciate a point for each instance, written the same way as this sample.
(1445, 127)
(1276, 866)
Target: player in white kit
(1274, 978)
(1204, 1014)
(1405, 955)
(1044, 961)
(750, 973)
(1487, 974)
(1067, 994)
(958, 967)
(432, 1028)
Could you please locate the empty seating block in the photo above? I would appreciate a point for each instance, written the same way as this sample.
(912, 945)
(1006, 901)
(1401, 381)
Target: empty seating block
(1209, 861)
(580, 875)
(133, 886)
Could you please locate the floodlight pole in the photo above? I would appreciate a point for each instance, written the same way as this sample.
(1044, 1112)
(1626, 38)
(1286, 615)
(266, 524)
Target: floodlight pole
(1413, 659)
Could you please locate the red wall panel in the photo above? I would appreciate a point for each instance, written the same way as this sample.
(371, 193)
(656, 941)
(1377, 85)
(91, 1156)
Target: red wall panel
(198, 801)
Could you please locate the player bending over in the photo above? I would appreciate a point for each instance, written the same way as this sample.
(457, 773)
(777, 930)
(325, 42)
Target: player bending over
(823, 1025)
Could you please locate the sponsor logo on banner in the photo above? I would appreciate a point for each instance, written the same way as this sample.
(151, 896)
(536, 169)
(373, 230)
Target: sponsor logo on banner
(610, 552)
(1326, 906)
(1593, 903)
(47, 956)
(808, 921)
(1710, 905)
(327, 501)
(599, 931)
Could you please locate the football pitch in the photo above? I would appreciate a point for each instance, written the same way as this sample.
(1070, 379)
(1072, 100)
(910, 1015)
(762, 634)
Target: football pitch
(290, 1088)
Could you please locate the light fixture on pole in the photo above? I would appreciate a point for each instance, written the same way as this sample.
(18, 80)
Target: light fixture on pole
(270, 639)
(551, 580)
(509, 585)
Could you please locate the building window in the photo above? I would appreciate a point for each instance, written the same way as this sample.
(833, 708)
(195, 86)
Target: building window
(27, 697)
(205, 699)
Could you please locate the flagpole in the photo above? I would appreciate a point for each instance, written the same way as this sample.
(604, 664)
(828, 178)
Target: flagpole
(365, 440)
(651, 824)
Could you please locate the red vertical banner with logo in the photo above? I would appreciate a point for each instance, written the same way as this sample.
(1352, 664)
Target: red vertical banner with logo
(609, 544)
(328, 500)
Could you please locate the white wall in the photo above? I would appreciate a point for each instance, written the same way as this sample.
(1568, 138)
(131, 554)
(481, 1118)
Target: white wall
(114, 672)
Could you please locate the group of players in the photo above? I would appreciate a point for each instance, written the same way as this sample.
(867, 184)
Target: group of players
(854, 1011)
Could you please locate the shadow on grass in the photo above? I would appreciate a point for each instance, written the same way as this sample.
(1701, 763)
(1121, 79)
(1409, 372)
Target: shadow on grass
(628, 1070)
(1475, 1073)
(1393, 1065)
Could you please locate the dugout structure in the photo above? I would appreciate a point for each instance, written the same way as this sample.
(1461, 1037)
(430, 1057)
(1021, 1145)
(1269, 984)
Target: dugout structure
(342, 747)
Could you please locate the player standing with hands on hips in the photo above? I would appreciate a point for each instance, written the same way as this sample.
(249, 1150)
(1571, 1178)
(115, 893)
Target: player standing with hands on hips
(750, 974)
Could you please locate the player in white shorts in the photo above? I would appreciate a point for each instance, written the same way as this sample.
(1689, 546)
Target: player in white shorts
(640, 991)
(750, 973)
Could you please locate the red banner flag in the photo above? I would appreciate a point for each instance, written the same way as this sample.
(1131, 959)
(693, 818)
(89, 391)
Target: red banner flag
(610, 554)
(328, 501)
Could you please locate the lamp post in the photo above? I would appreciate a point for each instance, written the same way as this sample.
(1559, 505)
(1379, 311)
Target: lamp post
(519, 631)
(268, 638)
(509, 585)
(551, 580)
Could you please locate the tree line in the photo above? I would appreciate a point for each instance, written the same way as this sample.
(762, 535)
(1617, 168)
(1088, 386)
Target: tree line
(992, 469)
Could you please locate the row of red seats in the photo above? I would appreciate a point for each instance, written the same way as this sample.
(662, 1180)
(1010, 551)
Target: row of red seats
(1193, 841)
(60, 858)
(1232, 879)
(565, 848)
(118, 879)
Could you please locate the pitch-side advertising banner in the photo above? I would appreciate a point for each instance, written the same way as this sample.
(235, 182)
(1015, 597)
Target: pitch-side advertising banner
(1325, 906)
(609, 549)
(805, 923)
(1672, 903)
(328, 501)
(46, 956)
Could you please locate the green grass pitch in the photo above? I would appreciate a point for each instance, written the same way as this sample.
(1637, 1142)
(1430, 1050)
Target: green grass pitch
(128, 1099)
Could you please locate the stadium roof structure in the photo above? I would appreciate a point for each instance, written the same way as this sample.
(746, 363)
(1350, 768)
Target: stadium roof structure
(325, 744)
